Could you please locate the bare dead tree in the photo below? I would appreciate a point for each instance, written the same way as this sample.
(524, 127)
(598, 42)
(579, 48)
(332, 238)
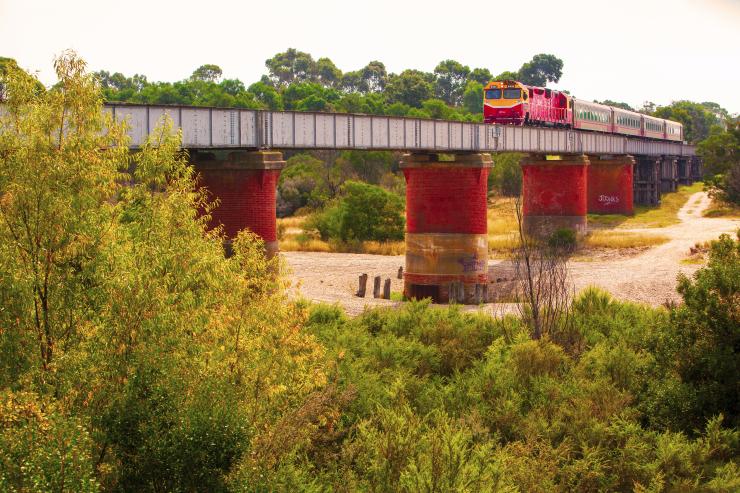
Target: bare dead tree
(545, 291)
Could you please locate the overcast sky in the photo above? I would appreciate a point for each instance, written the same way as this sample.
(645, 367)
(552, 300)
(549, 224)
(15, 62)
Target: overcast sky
(625, 50)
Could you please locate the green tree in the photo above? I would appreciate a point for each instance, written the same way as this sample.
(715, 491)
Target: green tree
(697, 120)
(374, 77)
(309, 96)
(410, 87)
(451, 77)
(480, 75)
(473, 98)
(543, 68)
(51, 211)
(114, 298)
(267, 95)
(721, 155)
(327, 73)
(207, 73)
(291, 66)
(507, 75)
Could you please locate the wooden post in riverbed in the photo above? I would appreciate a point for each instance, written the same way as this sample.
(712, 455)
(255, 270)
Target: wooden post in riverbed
(387, 289)
(376, 287)
(363, 286)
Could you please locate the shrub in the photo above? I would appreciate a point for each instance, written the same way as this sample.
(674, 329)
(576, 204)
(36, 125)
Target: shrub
(563, 239)
(363, 212)
(699, 350)
(42, 450)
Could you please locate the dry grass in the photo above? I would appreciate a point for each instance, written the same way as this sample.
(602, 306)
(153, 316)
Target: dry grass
(722, 209)
(292, 221)
(619, 239)
(311, 245)
(502, 245)
(650, 217)
(501, 216)
(383, 248)
(293, 244)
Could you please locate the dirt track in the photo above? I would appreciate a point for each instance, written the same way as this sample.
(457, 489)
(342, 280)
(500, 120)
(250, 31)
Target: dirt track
(647, 277)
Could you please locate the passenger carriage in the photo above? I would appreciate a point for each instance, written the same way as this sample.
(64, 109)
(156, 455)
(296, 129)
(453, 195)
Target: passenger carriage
(673, 131)
(626, 122)
(653, 128)
(591, 116)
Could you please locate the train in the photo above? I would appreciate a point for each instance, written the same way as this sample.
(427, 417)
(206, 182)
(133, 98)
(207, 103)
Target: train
(510, 102)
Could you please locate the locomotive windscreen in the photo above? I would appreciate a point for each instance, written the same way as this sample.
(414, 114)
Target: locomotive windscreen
(512, 93)
(493, 94)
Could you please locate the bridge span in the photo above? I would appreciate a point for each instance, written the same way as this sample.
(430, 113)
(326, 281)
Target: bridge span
(567, 174)
(224, 128)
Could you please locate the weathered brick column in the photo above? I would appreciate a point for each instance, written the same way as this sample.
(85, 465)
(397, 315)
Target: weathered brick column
(245, 183)
(554, 193)
(610, 185)
(446, 227)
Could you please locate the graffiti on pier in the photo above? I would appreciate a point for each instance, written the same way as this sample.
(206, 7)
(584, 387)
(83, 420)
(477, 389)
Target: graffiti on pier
(471, 263)
(608, 199)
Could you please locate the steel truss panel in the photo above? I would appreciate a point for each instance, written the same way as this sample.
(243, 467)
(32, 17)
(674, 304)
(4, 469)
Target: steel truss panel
(255, 129)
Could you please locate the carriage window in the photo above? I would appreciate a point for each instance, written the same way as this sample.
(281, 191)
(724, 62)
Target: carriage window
(512, 93)
(493, 94)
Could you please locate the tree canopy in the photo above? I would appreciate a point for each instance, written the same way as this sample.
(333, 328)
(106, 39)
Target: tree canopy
(295, 80)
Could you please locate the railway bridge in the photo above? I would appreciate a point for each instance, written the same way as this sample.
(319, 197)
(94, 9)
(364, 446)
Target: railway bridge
(567, 174)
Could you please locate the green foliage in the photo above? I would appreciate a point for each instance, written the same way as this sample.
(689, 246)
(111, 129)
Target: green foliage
(616, 104)
(153, 361)
(721, 155)
(506, 175)
(207, 73)
(41, 449)
(451, 78)
(410, 87)
(543, 68)
(563, 239)
(469, 403)
(697, 119)
(700, 352)
(301, 185)
(480, 75)
(363, 212)
(473, 97)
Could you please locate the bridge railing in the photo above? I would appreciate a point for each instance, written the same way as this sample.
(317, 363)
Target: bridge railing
(220, 128)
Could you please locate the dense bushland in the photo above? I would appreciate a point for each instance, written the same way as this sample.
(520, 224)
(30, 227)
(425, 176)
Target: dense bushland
(135, 357)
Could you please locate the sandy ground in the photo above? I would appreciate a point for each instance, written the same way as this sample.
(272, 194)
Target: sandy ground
(645, 277)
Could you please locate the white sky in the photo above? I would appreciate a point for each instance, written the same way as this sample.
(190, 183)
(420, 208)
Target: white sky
(625, 50)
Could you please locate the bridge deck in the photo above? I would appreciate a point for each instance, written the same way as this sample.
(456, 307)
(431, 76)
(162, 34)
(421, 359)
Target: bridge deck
(223, 128)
